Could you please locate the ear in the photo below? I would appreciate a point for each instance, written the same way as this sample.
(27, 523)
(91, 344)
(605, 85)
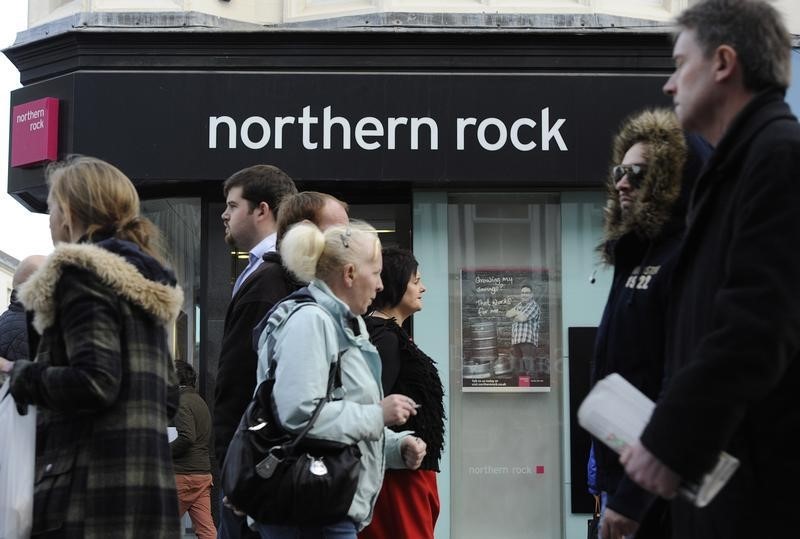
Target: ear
(726, 63)
(349, 274)
(262, 209)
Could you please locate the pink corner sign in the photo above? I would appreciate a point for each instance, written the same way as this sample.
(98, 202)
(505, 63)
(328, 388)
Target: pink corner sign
(34, 132)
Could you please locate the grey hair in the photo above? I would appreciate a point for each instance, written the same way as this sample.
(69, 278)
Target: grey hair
(310, 253)
(754, 29)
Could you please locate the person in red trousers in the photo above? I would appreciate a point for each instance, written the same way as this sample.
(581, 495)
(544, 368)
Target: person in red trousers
(408, 504)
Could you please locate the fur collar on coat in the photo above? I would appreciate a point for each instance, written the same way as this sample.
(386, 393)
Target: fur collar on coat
(38, 293)
(661, 187)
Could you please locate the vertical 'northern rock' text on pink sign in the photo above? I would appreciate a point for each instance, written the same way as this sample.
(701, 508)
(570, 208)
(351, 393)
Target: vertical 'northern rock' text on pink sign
(34, 132)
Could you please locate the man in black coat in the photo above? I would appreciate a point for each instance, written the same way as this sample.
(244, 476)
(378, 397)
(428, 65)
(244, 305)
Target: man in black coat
(259, 292)
(733, 326)
(13, 324)
(253, 198)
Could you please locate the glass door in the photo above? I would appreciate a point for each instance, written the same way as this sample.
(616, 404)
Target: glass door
(505, 378)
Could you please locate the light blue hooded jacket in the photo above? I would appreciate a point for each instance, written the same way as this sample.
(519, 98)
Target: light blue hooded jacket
(305, 339)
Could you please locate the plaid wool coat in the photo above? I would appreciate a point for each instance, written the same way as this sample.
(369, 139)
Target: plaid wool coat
(101, 379)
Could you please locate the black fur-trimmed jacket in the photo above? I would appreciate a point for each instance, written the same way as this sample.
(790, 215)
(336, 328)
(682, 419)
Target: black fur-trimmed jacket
(641, 245)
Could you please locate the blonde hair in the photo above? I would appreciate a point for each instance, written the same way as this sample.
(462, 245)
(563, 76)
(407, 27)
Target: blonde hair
(99, 197)
(310, 253)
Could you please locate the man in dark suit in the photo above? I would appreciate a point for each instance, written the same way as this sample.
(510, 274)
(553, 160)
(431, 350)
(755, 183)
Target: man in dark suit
(733, 325)
(253, 197)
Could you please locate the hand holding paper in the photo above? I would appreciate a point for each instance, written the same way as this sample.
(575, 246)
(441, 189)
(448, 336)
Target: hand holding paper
(615, 412)
(649, 472)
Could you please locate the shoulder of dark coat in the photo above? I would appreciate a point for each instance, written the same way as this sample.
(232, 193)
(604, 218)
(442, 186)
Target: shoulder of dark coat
(270, 282)
(10, 320)
(389, 334)
(383, 330)
(193, 397)
(766, 120)
(13, 335)
(160, 300)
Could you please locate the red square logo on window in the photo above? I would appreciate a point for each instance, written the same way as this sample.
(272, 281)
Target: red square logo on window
(34, 132)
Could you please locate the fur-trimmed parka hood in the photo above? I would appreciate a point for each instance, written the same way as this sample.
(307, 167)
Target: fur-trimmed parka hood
(156, 293)
(666, 153)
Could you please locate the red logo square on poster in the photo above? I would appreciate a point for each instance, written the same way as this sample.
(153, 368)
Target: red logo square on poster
(34, 132)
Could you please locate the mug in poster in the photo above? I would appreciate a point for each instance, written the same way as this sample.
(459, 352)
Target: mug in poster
(504, 330)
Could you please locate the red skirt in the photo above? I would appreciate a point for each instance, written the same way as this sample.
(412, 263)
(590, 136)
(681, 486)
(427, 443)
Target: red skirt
(407, 506)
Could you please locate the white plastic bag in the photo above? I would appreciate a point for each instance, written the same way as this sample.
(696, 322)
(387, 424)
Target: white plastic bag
(17, 456)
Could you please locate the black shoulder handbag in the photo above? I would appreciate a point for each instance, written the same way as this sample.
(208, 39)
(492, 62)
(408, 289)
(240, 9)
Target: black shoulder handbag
(280, 478)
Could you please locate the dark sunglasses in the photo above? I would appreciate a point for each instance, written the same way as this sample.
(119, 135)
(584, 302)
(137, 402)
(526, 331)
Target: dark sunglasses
(635, 174)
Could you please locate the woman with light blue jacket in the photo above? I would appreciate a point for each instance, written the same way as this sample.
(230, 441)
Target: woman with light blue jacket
(343, 266)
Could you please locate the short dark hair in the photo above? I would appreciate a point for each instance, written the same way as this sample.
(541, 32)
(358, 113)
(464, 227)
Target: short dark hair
(185, 372)
(754, 29)
(399, 265)
(301, 206)
(529, 286)
(262, 183)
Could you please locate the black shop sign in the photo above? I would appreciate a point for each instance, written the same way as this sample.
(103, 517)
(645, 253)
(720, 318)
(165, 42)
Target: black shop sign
(428, 129)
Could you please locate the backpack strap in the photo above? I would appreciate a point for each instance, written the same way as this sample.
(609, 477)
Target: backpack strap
(302, 295)
(334, 382)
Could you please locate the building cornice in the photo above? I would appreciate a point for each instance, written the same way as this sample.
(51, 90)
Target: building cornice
(221, 45)
(191, 21)
(486, 22)
(8, 262)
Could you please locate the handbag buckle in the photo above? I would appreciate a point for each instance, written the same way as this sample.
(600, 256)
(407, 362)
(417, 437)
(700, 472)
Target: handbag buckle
(267, 467)
(258, 427)
(317, 467)
(269, 464)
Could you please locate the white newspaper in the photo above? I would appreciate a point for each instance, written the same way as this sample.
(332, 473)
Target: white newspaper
(615, 412)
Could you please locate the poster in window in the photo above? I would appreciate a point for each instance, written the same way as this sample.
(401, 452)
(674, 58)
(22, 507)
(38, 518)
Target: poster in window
(505, 344)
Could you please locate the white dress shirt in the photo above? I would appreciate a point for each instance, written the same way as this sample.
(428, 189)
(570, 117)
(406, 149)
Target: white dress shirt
(256, 256)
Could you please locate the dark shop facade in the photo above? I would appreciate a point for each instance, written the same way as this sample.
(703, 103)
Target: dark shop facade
(483, 152)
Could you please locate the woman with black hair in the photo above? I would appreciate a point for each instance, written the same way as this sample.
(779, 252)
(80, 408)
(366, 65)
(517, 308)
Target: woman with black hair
(408, 504)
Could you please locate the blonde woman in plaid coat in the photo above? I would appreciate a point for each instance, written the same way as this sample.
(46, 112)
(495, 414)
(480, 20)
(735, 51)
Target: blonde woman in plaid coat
(102, 371)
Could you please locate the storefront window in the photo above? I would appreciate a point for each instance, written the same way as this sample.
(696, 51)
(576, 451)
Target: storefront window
(505, 356)
(179, 222)
(392, 221)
